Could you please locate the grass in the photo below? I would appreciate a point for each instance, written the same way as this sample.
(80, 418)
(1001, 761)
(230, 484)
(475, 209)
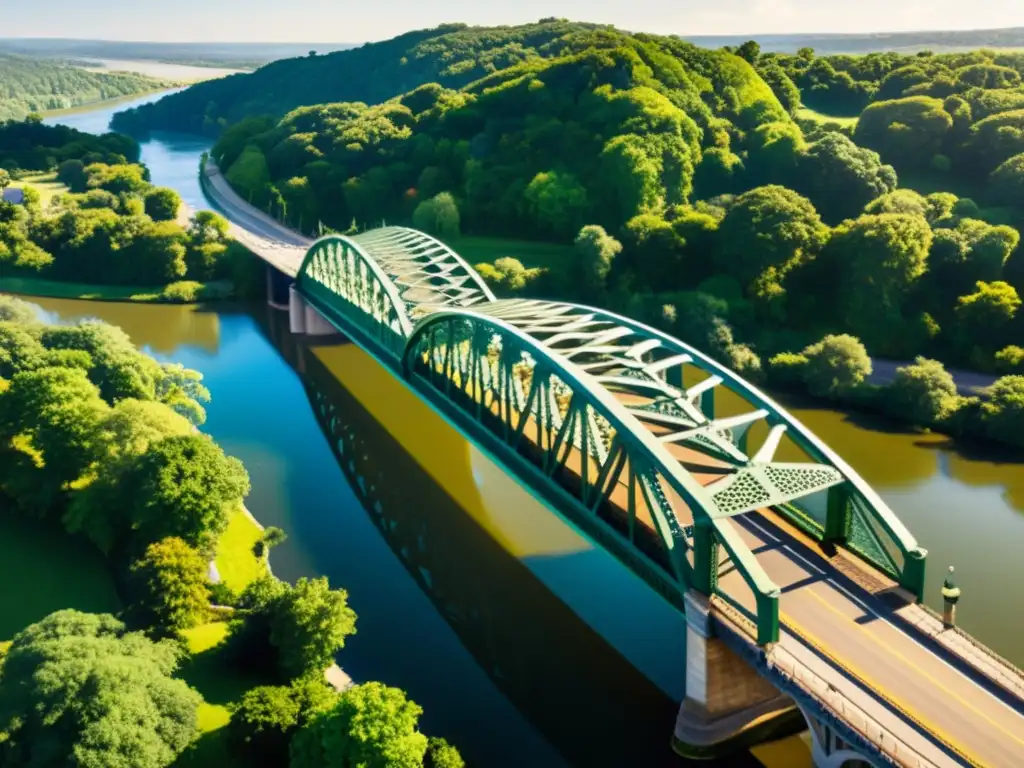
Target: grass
(806, 113)
(45, 184)
(532, 254)
(210, 673)
(236, 561)
(51, 571)
(59, 289)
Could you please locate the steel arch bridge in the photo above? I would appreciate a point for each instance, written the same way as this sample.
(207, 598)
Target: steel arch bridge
(619, 425)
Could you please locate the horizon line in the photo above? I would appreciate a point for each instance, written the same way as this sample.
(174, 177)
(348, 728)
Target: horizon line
(751, 36)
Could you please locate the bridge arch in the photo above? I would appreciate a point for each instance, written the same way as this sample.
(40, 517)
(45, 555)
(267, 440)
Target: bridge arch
(350, 288)
(506, 383)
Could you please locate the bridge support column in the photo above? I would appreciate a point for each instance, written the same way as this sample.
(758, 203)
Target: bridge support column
(278, 284)
(727, 702)
(296, 311)
(317, 324)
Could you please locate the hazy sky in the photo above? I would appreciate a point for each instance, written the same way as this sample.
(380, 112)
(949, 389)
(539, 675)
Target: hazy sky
(339, 21)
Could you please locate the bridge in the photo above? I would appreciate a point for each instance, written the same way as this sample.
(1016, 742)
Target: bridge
(801, 588)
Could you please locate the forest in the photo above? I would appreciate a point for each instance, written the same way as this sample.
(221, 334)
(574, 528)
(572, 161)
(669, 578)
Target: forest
(111, 225)
(99, 444)
(704, 195)
(33, 85)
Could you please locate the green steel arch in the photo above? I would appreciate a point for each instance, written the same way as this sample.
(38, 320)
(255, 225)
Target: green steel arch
(603, 399)
(350, 289)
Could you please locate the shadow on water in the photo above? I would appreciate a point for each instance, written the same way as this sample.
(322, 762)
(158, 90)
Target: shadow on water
(586, 699)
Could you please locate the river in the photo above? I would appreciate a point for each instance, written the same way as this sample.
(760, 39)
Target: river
(521, 640)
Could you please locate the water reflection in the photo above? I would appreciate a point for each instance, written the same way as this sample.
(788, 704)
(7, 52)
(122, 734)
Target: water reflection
(160, 328)
(567, 679)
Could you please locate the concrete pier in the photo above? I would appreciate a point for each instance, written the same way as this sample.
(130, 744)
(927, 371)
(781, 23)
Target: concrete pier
(725, 696)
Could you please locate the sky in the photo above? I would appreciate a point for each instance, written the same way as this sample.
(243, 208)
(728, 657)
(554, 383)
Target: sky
(341, 21)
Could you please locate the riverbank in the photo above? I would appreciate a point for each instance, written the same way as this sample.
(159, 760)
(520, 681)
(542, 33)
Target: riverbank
(104, 104)
(184, 292)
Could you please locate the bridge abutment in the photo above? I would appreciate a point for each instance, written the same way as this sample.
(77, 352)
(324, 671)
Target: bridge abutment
(728, 704)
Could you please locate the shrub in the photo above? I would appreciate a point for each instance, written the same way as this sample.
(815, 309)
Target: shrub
(182, 292)
(836, 365)
(787, 368)
(170, 586)
(923, 392)
(1002, 414)
(1010, 359)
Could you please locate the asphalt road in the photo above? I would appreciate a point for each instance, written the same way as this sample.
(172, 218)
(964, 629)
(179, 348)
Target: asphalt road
(967, 382)
(820, 605)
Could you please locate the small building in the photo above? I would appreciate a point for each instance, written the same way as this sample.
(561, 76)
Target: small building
(14, 195)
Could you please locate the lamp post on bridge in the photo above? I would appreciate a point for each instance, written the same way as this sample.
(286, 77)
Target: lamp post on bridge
(950, 596)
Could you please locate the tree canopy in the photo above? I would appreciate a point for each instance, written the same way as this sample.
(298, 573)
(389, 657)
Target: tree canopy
(77, 689)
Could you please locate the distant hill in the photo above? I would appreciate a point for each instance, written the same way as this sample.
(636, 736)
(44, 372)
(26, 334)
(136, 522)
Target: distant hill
(41, 85)
(452, 55)
(905, 42)
(234, 55)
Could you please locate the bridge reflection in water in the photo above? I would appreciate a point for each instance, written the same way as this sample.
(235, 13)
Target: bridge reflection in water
(491, 558)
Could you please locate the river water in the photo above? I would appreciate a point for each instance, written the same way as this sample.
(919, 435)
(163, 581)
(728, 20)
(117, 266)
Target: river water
(525, 644)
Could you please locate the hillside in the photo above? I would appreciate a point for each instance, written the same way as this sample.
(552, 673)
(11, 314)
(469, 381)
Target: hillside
(615, 126)
(452, 55)
(41, 85)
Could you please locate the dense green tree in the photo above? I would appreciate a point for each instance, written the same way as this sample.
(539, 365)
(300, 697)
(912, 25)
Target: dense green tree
(60, 412)
(508, 276)
(15, 310)
(840, 178)
(371, 725)
(36, 84)
(923, 392)
(309, 624)
(995, 140)
(1010, 359)
(595, 252)
(266, 717)
(878, 258)
(835, 366)
(907, 132)
(250, 175)
(653, 251)
(1002, 412)
(170, 586)
(1007, 181)
(439, 216)
(782, 86)
(558, 202)
(767, 233)
(182, 486)
(987, 76)
(5, 179)
(905, 201)
(120, 179)
(441, 754)
(984, 313)
(72, 173)
(162, 204)
(77, 689)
